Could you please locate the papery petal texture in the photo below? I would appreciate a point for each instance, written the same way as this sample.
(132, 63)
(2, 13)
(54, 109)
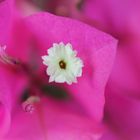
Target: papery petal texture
(5, 93)
(5, 102)
(94, 47)
(29, 39)
(121, 18)
(6, 16)
(58, 124)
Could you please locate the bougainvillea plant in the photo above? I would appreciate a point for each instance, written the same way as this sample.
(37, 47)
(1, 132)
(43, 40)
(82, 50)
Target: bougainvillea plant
(63, 99)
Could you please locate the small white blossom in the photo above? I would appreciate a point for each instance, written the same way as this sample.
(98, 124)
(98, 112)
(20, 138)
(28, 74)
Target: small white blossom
(63, 64)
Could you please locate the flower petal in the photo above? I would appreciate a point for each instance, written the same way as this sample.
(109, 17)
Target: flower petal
(58, 124)
(94, 47)
(6, 16)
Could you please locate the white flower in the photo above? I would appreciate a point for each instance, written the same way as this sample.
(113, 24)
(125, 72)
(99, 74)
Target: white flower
(63, 65)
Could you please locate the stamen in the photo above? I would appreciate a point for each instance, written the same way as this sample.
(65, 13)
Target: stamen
(5, 58)
(29, 104)
(62, 64)
(29, 108)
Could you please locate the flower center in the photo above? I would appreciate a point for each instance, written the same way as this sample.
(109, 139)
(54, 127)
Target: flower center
(62, 64)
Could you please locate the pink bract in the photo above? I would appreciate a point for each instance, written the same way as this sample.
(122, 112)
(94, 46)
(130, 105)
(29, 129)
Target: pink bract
(76, 119)
(86, 40)
(121, 18)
